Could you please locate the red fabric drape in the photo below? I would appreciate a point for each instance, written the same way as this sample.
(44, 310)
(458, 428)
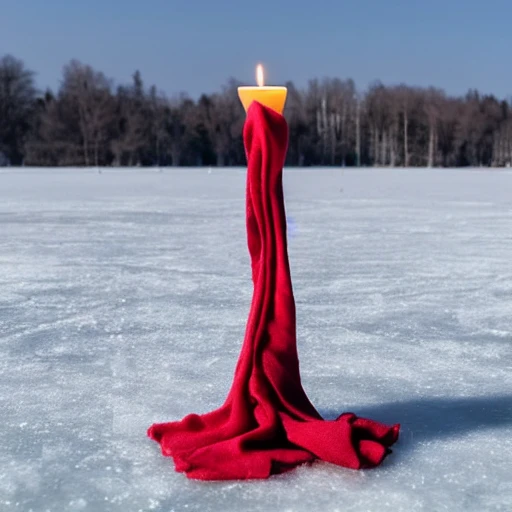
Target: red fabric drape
(267, 424)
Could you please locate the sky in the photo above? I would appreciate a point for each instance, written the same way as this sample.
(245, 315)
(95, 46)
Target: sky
(195, 46)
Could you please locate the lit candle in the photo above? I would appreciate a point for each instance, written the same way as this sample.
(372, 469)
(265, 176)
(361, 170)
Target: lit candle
(270, 96)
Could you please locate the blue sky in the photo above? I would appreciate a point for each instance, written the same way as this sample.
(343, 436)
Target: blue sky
(196, 45)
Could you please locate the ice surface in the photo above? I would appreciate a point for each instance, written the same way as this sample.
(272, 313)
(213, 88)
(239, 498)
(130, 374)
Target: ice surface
(123, 301)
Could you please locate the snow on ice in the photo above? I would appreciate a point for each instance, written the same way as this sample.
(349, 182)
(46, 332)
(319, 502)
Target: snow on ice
(123, 301)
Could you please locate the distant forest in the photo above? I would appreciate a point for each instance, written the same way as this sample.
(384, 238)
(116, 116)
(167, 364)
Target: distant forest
(89, 122)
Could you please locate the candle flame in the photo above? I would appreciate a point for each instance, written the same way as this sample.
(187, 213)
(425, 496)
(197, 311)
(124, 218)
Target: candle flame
(259, 75)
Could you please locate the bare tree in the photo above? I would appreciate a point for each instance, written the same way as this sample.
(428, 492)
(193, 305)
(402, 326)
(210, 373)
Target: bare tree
(89, 92)
(58, 140)
(433, 99)
(17, 107)
(222, 115)
(295, 112)
(380, 120)
(159, 113)
(134, 116)
(502, 138)
(358, 130)
(405, 99)
(180, 119)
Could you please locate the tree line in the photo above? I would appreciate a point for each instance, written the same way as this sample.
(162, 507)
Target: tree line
(90, 122)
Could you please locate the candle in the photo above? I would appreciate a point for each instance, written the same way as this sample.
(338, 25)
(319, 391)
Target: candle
(270, 96)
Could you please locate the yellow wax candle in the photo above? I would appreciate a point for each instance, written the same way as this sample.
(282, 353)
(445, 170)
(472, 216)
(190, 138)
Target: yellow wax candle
(272, 97)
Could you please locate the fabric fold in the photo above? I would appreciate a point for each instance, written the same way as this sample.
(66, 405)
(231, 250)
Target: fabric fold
(267, 424)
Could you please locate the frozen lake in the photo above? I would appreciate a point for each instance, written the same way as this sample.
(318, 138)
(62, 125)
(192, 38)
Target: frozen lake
(123, 301)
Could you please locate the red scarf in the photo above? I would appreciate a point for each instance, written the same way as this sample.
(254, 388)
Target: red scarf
(267, 424)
